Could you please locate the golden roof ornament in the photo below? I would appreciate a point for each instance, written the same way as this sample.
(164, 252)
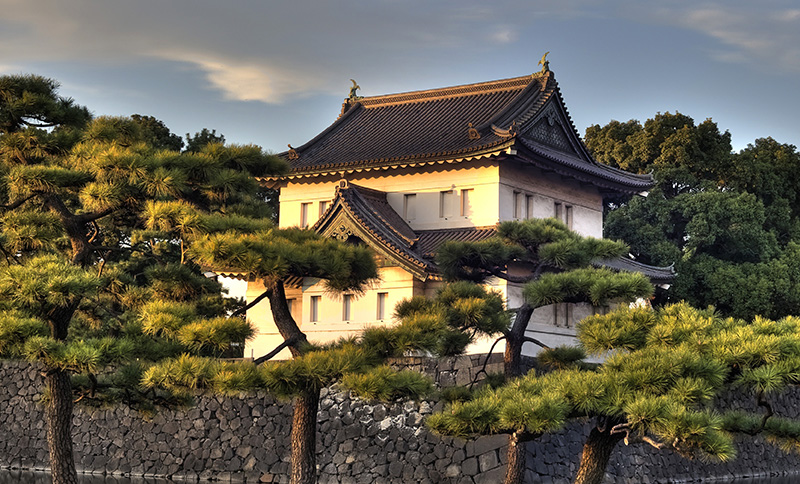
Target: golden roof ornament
(472, 132)
(513, 130)
(545, 63)
(292, 153)
(353, 96)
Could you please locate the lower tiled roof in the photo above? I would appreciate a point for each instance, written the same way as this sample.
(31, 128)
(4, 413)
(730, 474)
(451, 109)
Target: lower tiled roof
(430, 240)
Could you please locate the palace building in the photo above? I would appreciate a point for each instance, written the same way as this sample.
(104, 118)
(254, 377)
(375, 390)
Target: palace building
(405, 172)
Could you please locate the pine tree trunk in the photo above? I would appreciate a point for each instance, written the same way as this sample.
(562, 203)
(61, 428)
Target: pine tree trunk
(515, 470)
(512, 358)
(304, 438)
(596, 454)
(58, 415)
(284, 321)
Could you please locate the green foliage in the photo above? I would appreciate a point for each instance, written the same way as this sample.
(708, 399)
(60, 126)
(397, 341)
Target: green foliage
(203, 138)
(31, 101)
(315, 369)
(384, 383)
(595, 285)
(728, 221)
(46, 284)
(455, 394)
(157, 134)
(182, 373)
(660, 379)
(443, 326)
(280, 253)
(561, 357)
(15, 330)
(502, 410)
(215, 335)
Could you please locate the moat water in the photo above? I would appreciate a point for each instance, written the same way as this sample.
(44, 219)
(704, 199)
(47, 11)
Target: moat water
(28, 477)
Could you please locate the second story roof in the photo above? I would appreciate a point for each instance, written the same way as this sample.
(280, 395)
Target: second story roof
(522, 117)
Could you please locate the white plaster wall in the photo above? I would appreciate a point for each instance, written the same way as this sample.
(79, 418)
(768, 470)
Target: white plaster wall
(547, 189)
(492, 188)
(427, 183)
(394, 281)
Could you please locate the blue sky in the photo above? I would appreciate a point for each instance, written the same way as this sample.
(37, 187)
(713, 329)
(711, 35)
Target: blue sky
(273, 73)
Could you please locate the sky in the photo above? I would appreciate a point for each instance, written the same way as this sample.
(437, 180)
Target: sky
(274, 73)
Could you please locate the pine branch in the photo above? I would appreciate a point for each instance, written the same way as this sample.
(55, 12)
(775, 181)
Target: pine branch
(486, 361)
(85, 218)
(535, 341)
(274, 352)
(18, 203)
(762, 402)
(624, 428)
(508, 277)
(250, 305)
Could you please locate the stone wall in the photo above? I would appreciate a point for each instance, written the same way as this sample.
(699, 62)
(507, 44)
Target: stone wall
(246, 439)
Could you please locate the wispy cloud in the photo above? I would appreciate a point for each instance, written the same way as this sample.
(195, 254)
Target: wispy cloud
(260, 51)
(254, 80)
(747, 33)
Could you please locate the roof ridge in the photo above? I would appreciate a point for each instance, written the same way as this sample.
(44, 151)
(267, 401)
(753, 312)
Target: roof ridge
(449, 91)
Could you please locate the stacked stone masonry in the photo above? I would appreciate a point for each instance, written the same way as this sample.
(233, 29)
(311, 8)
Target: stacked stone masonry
(246, 439)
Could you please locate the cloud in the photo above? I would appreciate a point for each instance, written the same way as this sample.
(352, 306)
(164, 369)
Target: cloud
(746, 33)
(503, 34)
(265, 51)
(243, 80)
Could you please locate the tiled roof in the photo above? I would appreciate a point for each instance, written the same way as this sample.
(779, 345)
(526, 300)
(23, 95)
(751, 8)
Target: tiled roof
(657, 275)
(430, 240)
(457, 123)
(599, 174)
(415, 125)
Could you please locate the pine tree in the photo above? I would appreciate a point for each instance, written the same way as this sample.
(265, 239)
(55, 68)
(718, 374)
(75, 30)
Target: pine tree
(443, 326)
(657, 387)
(91, 279)
(555, 266)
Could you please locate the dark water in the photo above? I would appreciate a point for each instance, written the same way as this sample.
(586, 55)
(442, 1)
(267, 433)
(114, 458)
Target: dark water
(28, 477)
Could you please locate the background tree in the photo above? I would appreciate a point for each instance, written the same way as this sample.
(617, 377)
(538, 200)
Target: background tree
(728, 221)
(157, 134)
(657, 387)
(88, 280)
(555, 266)
(202, 138)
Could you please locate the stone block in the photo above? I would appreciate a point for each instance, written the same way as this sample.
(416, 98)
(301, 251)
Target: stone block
(488, 461)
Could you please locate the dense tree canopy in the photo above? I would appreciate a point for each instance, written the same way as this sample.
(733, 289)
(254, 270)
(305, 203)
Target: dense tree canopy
(728, 221)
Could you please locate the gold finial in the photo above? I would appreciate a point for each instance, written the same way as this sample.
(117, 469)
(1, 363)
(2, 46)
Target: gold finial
(472, 132)
(545, 63)
(292, 153)
(353, 89)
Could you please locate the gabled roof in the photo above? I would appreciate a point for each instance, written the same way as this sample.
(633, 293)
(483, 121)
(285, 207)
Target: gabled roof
(365, 213)
(524, 115)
